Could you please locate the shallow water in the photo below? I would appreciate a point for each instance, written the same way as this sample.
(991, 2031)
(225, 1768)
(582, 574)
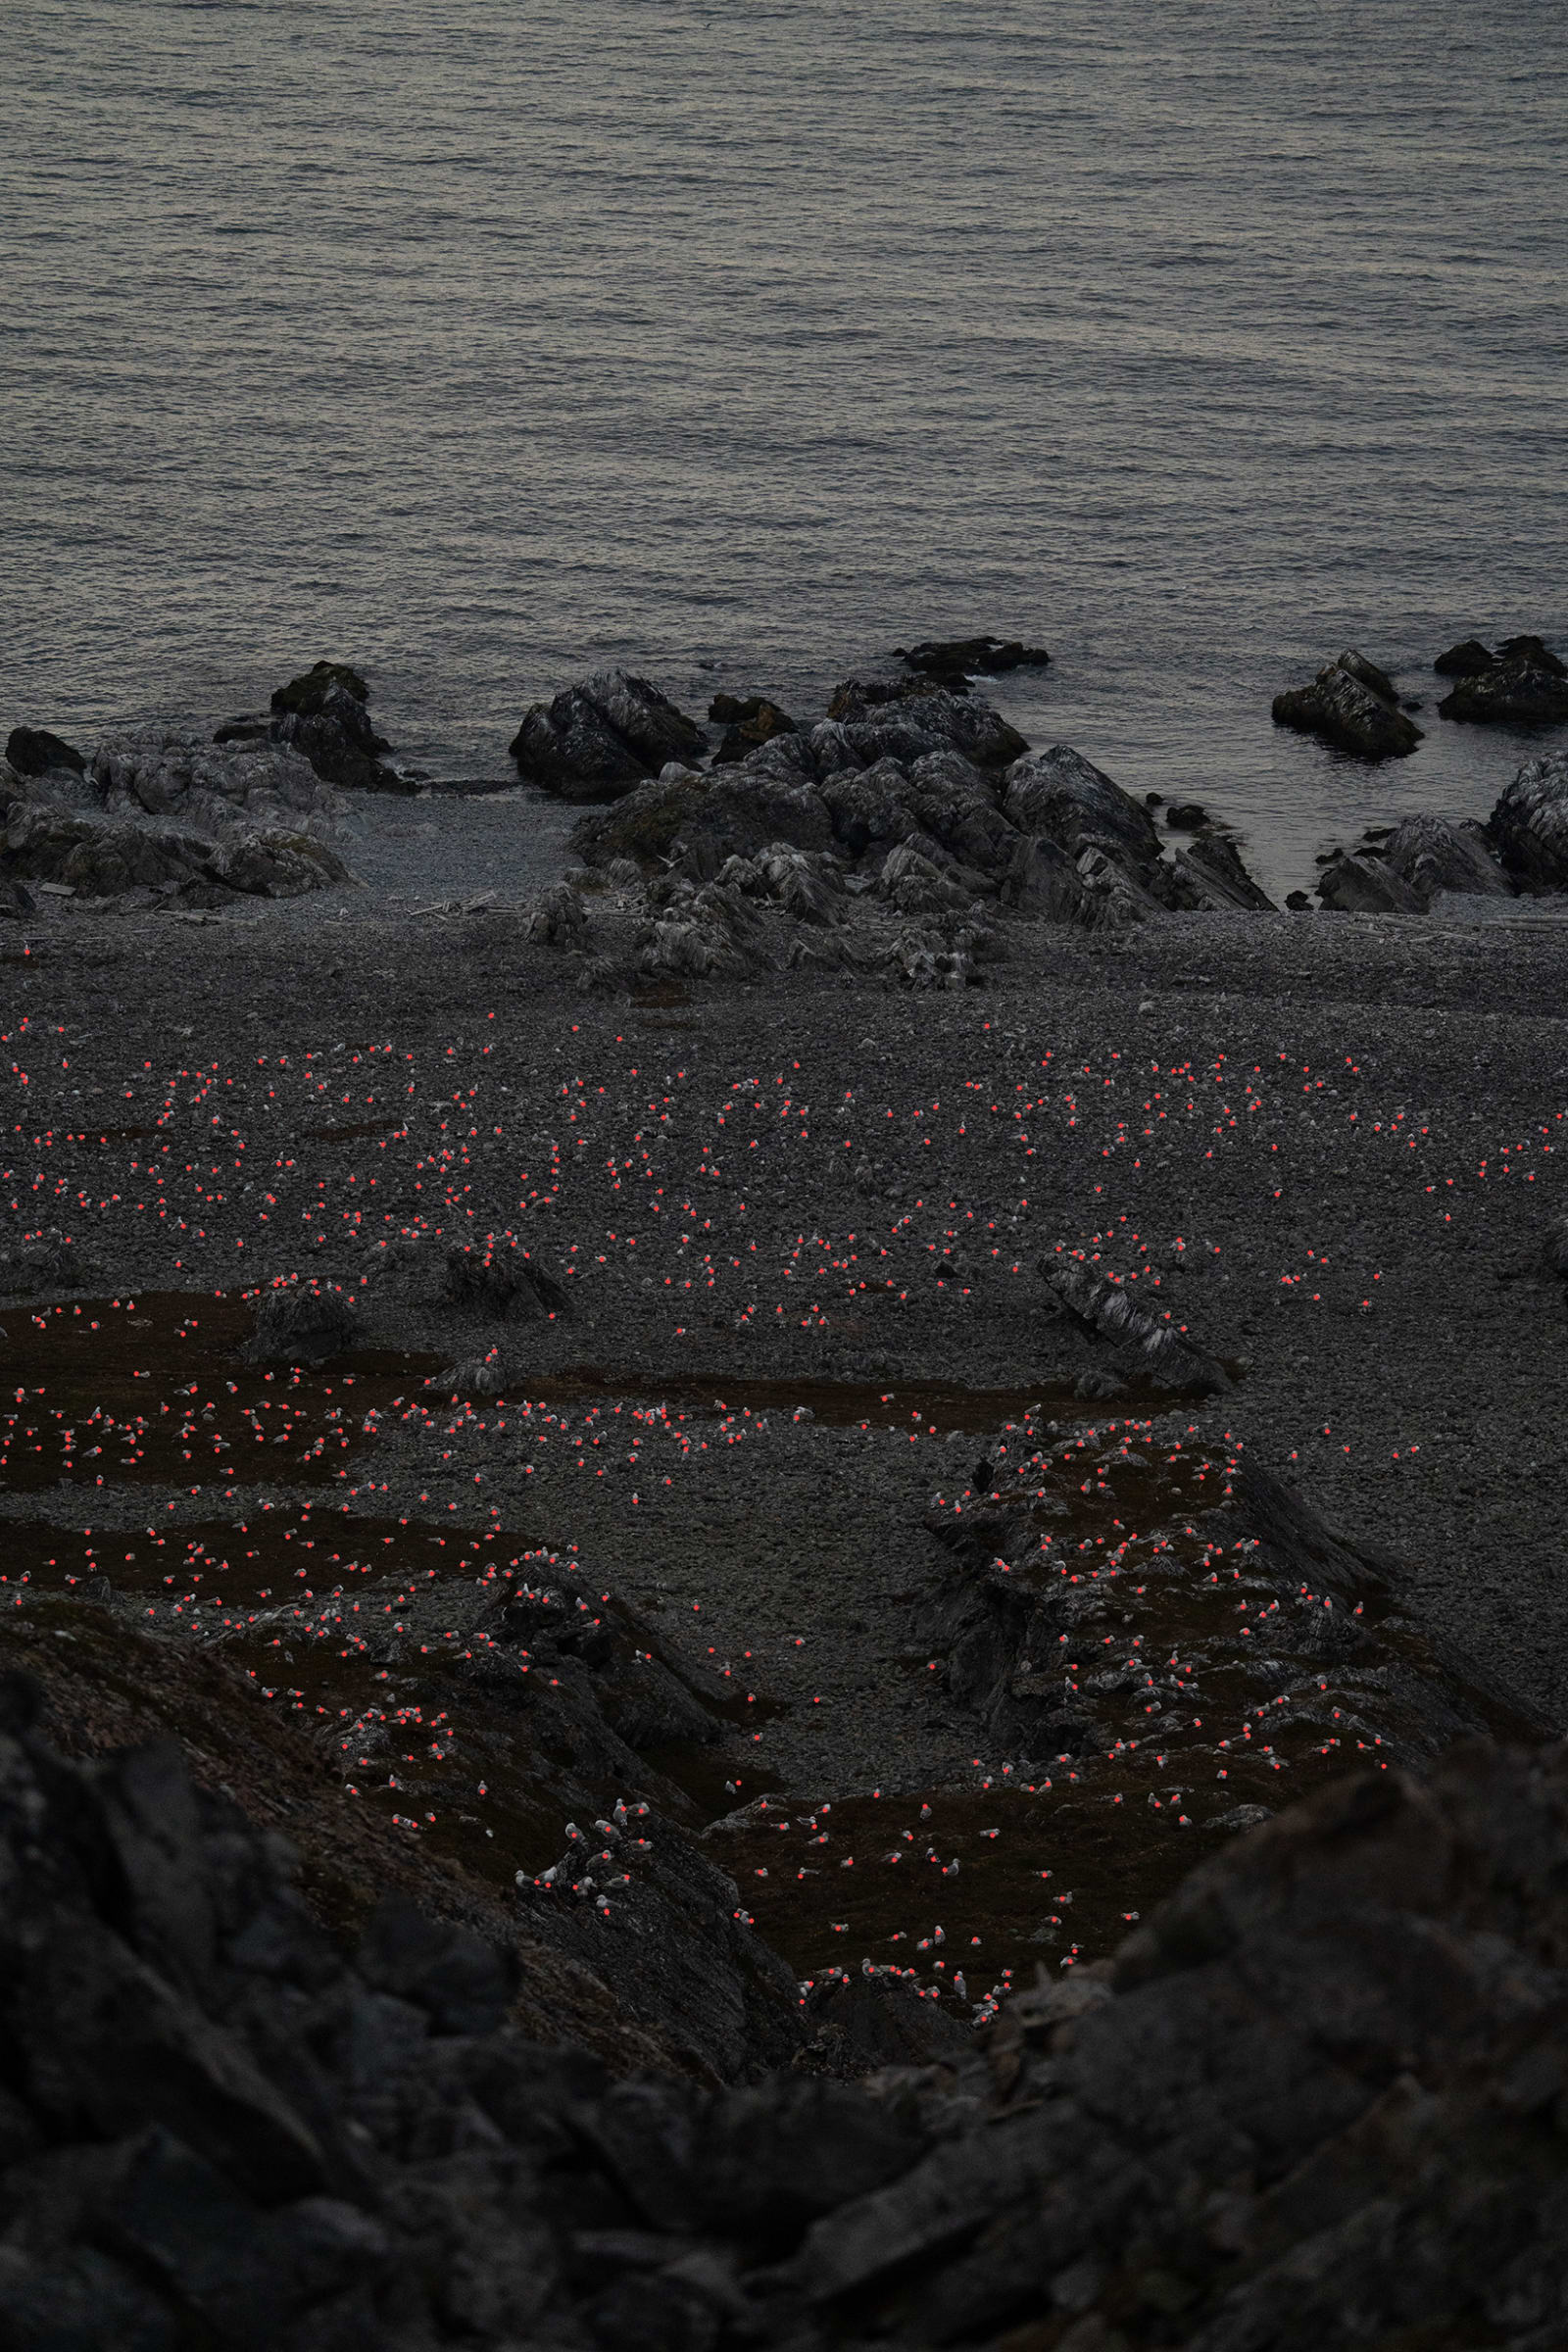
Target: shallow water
(483, 345)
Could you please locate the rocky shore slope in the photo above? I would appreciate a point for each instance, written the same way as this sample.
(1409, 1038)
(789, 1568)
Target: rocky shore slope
(720, 1566)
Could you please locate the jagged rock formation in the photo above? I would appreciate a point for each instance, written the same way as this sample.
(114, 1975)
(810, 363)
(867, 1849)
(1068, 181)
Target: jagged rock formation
(1317, 2101)
(324, 715)
(601, 737)
(1521, 683)
(166, 813)
(953, 658)
(1353, 705)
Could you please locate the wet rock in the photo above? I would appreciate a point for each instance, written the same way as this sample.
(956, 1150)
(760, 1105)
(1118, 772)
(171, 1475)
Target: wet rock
(1186, 817)
(499, 1277)
(34, 752)
(954, 657)
(1467, 660)
(748, 724)
(303, 1323)
(1368, 885)
(1298, 901)
(1529, 826)
(601, 738)
(1525, 685)
(1432, 856)
(324, 715)
(1353, 705)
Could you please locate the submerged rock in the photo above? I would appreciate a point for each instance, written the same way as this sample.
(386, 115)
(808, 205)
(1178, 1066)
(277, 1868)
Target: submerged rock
(1353, 705)
(601, 738)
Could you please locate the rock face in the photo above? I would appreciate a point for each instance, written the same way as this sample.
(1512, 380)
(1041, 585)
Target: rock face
(598, 739)
(1353, 705)
(324, 715)
(34, 752)
(1368, 885)
(164, 813)
(953, 658)
(1522, 683)
(1529, 826)
(1316, 2103)
(1432, 856)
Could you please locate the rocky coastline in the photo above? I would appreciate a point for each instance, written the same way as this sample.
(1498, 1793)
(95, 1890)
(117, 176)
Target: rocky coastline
(895, 1678)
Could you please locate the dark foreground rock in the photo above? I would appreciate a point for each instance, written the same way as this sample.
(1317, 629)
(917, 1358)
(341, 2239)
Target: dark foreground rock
(1353, 705)
(1529, 824)
(1316, 2101)
(324, 715)
(1523, 684)
(601, 737)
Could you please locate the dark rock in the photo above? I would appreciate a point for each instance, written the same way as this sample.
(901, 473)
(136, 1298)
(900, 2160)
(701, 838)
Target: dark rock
(1095, 1386)
(598, 739)
(1186, 817)
(1061, 794)
(1526, 685)
(1367, 886)
(770, 2158)
(1467, 659)
(302, 1323)
(324, 715)
(1298, 901)
(1529, 826)
(499, 1277)
(243, 730)
(1554, 1248)
(1433, 856)
(1353, 706)
(903, 719)
(953, 657)
(1043, 879)
(34, 752)
(1213, 870)
(1162, 1355)
(47, 1261)
(735, 812)
(759, 728)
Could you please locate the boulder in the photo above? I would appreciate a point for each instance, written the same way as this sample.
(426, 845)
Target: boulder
(601, 738)
(1043, 880)
(34, 752)
(952, 657)
(1367, 886)
(1433, 856)
(324, 715)
(302, 1323)
(1186, 817)
(1526, 685)
(1353, 705)
(1529, 826)
(498, 1276)
(1212, 870)
(1467, 659)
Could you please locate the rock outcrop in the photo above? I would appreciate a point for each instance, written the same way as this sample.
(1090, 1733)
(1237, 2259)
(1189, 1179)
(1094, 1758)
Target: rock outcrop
(601, 738)
(324, 715)
(1353, 705)
(1523, 684)
(1529, 825)
(164, 813)
(1316, 2101)
(748, 722)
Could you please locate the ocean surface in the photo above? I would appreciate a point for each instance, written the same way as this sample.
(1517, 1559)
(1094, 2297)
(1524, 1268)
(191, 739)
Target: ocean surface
(483, 344)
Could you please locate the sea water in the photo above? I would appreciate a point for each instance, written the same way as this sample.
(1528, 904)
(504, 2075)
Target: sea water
(483, 343)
